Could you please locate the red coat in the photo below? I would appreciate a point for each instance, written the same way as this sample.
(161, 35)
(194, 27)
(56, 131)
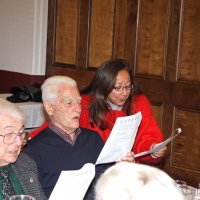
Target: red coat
(148, 133)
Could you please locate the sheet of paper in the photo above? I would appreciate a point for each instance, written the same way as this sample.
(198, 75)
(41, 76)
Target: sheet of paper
(121, 139)
(159, 146)
(73, 184)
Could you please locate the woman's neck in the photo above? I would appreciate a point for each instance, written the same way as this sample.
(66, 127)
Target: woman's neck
(113, 106)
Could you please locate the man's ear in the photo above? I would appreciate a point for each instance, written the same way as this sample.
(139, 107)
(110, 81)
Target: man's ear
(48, 107)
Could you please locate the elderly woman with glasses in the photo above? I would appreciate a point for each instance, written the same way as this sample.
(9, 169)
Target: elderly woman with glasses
(111, 94)
(18, 172)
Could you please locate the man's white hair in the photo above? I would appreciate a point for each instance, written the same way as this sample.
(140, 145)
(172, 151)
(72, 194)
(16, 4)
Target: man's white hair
(51, 85)
(130, 181)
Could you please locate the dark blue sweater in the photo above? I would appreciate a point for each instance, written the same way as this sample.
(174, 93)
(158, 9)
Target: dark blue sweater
(52, 155)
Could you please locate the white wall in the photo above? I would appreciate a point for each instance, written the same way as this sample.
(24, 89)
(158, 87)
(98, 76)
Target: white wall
(23, 34)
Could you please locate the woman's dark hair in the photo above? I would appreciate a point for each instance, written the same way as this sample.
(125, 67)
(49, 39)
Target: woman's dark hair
(101, 86)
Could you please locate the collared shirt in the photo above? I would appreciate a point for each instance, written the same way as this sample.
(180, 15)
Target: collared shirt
(65, 136)
(113, 106)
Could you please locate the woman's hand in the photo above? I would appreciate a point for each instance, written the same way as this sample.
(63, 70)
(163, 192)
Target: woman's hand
(159, 153)
(129, 157)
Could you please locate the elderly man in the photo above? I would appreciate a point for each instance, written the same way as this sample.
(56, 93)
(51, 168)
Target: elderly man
(62, 145)
(18, 172)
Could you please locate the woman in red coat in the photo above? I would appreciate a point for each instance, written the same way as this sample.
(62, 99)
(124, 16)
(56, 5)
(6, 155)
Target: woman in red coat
(111, 94)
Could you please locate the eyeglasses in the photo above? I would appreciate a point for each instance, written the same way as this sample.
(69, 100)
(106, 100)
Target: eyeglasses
(120, 88)
(10, 138)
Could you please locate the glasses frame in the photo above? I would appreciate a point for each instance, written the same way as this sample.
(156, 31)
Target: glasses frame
(121, 88)
(24, 140)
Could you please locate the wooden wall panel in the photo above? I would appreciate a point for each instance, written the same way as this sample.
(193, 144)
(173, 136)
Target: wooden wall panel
(101, 31)
(182, 149)
(190, 44)
(173, 39)
(66, 31)
(152, 37)
(185, 151)
(131, 33)
(120, 27)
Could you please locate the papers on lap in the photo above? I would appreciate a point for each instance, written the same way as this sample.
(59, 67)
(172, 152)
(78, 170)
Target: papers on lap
(74, 184)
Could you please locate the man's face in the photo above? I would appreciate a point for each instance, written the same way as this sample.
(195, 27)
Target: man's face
(65, 111)
(9, 152)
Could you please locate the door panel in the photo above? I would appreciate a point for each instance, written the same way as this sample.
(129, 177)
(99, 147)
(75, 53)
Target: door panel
(152, 37)
(101, 31)
(66, 32)
(190, 42)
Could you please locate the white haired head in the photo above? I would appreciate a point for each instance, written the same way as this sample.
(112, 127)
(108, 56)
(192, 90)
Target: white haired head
(51, 86)
(11, 109)
(132, 181)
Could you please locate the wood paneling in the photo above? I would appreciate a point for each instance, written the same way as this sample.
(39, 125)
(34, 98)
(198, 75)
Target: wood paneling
(182, 149)
(166, 68)
(190, 41)
(120, 26)
(185, 151)
(130, 31)
(152, 37)
(66, 31)
(101, 31)
(159, 39)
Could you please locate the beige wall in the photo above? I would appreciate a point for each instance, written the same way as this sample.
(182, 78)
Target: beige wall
(23, 35)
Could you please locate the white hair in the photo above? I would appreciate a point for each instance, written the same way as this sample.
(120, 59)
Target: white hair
(11, 109)
(51, 85)
(132, 181)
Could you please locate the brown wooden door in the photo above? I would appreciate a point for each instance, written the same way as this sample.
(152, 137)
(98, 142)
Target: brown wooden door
(167, 67)
(160, 40)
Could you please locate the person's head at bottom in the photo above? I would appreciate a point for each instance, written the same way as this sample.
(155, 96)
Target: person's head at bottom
(132, 181)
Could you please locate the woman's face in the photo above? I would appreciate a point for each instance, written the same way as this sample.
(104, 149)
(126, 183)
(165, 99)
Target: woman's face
(122, 89)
